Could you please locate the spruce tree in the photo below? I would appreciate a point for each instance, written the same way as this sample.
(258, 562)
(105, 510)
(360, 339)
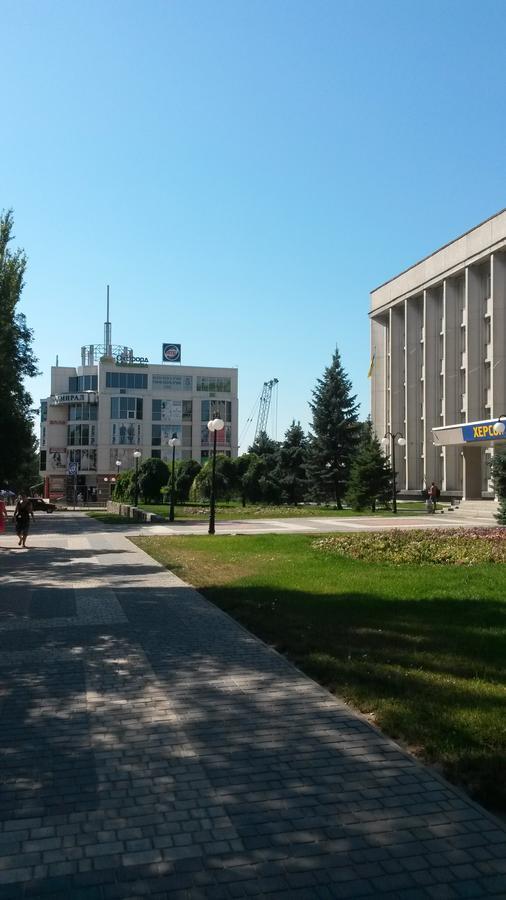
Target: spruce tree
(335, 430)
(291, 468)
(370, 474)
(17, 446)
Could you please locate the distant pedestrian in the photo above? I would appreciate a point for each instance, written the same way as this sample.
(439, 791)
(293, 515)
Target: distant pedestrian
(3, 516)
(433, 493)
(22, 512)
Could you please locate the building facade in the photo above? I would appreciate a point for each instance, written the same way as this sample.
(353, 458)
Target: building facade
(115, 403)
(438, 367)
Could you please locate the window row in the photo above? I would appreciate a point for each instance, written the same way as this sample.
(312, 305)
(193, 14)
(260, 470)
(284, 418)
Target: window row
(173, 382)
(82, 383)
(81, 435)
(134, 380)
(214, 383)
(83, 412)
(216, 409)
(126, 407)
(171, 410)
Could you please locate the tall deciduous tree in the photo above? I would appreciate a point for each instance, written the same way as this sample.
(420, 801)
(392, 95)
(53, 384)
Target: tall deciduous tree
(291, 468)
(370, 474)
(17, 362)
(335, 431)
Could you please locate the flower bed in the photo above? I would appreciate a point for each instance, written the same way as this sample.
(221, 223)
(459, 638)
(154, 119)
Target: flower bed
(455, 546)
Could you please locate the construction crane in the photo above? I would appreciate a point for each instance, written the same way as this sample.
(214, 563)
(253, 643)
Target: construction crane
(265, 405)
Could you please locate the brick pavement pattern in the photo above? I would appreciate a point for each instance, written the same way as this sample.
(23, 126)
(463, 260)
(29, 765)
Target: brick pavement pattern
(151, 747)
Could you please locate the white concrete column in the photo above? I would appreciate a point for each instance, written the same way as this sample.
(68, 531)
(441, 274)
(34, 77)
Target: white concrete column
(379, 351)
(431, 405)
(498, 362)
(413, 320)
(471, 488)
(474, 342)
(451, 368)
(397, 389)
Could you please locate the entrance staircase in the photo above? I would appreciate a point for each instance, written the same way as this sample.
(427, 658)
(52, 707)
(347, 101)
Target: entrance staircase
(479, 512)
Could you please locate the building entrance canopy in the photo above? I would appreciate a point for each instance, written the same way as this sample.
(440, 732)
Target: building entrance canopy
(488, 432)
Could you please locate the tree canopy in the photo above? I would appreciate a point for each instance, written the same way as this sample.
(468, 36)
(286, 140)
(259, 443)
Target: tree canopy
(17, 362)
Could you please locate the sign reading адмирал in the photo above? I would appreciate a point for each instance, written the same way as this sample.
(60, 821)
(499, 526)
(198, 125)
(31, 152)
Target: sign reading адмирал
(81, 397)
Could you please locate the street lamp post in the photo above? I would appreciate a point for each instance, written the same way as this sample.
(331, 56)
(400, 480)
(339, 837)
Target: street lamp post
(173, 442)
(118, 467)
(500, 427)
(214, 426)
(137, 456)
(390, 437)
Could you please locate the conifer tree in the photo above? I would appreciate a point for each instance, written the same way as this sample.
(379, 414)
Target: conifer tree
(335, 431)
(291, 468)
(17, 444)
(370, 474)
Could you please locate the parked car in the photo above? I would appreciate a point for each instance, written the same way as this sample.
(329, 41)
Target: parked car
(40, 505)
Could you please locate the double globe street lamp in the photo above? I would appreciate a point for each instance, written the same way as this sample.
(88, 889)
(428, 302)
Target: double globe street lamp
(390, 439)
(173, 442)
(214, 426)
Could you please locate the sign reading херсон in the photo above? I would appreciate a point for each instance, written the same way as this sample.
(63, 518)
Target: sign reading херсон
(481, 431)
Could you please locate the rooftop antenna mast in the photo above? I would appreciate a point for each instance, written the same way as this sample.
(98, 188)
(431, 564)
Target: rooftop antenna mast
(108, 331)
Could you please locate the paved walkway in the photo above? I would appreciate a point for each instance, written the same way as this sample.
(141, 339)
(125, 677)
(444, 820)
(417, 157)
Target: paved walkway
(150, 747)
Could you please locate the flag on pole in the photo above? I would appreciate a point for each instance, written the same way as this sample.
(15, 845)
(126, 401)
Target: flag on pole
(371, 367)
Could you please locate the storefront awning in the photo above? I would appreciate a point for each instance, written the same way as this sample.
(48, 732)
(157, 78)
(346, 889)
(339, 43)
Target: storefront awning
(485, 432)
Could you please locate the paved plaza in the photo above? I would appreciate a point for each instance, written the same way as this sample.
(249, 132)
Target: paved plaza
(151, 747)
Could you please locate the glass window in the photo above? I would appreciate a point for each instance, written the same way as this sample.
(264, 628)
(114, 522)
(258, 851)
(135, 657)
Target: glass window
(211, 409)
(126, 407)
(156, 410)
(43, 410)
(43, 454)
(126, 380)
(156, 435)
(173, 382)
(83, 412)
(156, 454)
(187, 410)
(82, 383)
(215, 383)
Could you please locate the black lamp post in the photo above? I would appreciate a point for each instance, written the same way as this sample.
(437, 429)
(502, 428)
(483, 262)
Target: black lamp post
(390, 438)
(137, 456)
(214, 426)
(173, 442)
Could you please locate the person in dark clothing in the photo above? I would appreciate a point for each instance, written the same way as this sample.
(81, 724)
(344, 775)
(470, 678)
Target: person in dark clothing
(22, 513)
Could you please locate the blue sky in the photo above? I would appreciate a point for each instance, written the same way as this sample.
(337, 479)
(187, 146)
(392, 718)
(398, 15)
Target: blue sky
(242, 174)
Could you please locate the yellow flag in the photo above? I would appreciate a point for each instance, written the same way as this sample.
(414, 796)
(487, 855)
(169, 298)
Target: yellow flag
(371, 367)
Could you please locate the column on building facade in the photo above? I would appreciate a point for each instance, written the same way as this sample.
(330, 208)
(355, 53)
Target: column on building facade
(397, 390)
(451, 380)
(379, 356)
(498, 336)
(413, 320)
(431, 373)
(474, 341)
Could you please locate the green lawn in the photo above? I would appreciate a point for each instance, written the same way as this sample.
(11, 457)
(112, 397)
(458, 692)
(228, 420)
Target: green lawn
(234, 511)
(419, 649)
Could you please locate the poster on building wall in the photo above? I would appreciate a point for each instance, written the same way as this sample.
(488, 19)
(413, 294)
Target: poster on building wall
(172, 411)
(170, 431)
(126, 433)
(88, 460)
(56, 458)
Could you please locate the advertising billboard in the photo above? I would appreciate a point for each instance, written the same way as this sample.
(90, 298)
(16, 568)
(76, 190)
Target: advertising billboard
(171, 353)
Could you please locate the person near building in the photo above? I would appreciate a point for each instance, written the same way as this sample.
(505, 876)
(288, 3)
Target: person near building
(3, 515)
(22, 512)
(433, 493)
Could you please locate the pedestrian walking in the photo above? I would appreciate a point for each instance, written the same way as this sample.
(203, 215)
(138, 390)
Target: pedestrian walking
(433, 493)
(3, 516)
(22, 512)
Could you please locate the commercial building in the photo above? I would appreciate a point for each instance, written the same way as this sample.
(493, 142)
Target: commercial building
(438, 367)
(116, 403)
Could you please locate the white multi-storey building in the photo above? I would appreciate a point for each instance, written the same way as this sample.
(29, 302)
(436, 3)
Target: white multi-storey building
(438, 334)
(115, 403)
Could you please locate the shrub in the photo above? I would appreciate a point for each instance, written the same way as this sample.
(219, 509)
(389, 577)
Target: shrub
(461, 547)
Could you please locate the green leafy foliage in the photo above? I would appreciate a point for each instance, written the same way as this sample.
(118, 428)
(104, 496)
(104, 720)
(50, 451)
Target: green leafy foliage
(461, 547)
(153, 475)
(225, 480)
(17, 362)
(370, 478)
(499, 478)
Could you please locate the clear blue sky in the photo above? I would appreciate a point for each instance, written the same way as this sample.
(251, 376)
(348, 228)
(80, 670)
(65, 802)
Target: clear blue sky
(242, 174)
